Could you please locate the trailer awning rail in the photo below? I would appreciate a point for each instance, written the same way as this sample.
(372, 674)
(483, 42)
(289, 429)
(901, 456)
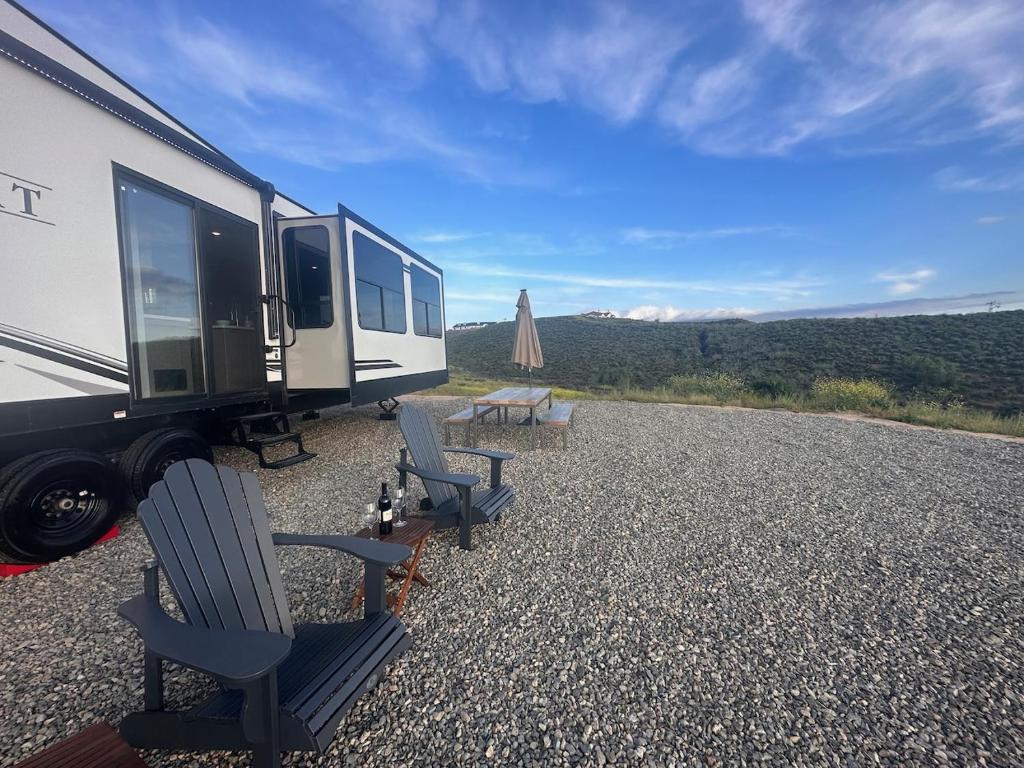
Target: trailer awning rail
(66, 78)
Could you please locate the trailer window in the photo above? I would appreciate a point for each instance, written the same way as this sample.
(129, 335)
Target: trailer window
(307, 264)
(426, 303)
(380, 286)
(158, 236)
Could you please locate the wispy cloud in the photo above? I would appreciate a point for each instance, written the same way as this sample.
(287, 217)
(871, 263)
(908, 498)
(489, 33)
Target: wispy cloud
(237, 68)
(670, 314)
(262, 96)
(610, 58)
(905, 282)
(954, 179)
(445, 237)
(783, 288)
(990, 220)
(910, 72)
(670, 236)
(971, 302)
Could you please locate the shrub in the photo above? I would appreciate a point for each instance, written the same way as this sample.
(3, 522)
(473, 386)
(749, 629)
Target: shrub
(773, 387)
(927, 373)
(716, 384)
(849, 394)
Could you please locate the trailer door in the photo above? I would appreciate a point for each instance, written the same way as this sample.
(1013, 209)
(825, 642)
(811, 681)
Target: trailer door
(314, 338)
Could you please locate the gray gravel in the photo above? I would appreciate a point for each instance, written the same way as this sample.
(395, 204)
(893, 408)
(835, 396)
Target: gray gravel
(684, 586)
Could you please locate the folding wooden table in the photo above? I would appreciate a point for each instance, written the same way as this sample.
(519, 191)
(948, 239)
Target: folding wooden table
(414, 534)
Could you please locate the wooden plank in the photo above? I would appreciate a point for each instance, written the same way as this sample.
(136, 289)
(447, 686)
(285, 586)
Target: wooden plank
(410, 534)
(196, 525)
(240, 588)
(523, 397)
(98, 746)
(242, 518)
(557, 416)
(466, 415)
(261, 529)
(344, 683)
(348, 658)
(166, 531)
(425, 448)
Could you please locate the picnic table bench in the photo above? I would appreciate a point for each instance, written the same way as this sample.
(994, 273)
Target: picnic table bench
(559, 416)
(466, 416)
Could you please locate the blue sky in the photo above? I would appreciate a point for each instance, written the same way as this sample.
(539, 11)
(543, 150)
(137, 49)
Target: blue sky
(672, 160)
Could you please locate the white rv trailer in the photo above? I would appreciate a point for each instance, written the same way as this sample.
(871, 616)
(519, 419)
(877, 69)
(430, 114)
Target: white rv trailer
(158, 297)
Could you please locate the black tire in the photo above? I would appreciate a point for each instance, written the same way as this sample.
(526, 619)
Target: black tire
(55, 503)
(146, 460)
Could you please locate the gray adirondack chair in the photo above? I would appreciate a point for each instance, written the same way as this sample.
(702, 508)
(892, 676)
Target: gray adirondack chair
(281, 687)
(453, 501)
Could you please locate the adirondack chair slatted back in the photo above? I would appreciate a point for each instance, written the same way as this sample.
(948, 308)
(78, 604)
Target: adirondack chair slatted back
(425, 447)
(208, 527)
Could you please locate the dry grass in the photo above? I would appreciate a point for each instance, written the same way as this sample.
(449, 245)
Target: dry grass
(827, 395)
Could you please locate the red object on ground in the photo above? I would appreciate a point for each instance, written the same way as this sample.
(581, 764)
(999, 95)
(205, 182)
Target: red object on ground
(98, 746)
(11, 569)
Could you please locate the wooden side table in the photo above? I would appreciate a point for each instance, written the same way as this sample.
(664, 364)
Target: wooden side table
(414, 534)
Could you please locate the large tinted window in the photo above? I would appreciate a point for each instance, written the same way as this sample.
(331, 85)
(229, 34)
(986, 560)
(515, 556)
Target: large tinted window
(426, 303)
(158, 235)
(307, 263)
(380, 286)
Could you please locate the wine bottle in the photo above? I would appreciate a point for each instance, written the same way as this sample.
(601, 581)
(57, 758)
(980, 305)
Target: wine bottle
(384, 505)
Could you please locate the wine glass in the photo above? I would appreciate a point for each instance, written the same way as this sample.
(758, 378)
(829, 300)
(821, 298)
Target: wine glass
(399, 507)
(370, 516)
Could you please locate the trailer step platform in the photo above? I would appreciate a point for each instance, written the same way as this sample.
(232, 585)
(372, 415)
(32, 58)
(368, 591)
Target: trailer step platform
(260, 431)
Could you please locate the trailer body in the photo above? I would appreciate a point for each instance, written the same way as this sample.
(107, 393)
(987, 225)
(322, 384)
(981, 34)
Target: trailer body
(153, 284)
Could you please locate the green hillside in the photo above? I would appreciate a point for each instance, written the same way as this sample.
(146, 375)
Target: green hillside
(978, 358)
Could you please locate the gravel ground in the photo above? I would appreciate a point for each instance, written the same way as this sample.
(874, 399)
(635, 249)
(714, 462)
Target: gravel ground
(684, 586)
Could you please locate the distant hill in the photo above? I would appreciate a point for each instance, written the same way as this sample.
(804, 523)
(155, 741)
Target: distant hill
(979, 357)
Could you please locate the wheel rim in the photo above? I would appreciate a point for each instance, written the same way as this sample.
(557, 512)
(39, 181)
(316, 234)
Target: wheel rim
(64, 508)
(162, 463)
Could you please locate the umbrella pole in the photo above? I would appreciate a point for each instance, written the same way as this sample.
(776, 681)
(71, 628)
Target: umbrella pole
(527, 421)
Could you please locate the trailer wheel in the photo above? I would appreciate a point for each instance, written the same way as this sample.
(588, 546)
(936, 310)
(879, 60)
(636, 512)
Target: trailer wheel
(55, 503)
(146, 460)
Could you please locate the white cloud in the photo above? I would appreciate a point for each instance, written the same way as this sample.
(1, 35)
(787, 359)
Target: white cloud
(954, 179)
(258, 95)
(973, 302)
(914, 72)
(445, 237)
(902, 283)
(989, 220)
(610, 58)
(668, 236)
(670, 314)
(778, 288)
(240, 69)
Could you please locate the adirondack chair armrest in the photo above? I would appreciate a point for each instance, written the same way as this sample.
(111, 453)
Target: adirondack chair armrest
(376, 552)
(493, 455)
(460, 481)
(497, 459)
(233, 656)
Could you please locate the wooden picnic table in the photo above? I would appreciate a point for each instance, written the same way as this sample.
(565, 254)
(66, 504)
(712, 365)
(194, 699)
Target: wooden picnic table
(515, 397)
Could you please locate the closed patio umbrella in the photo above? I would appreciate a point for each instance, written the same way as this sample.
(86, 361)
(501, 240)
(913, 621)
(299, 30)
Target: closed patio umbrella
(526, 350)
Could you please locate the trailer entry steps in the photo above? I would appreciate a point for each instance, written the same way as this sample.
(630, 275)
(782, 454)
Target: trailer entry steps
(259, 431)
